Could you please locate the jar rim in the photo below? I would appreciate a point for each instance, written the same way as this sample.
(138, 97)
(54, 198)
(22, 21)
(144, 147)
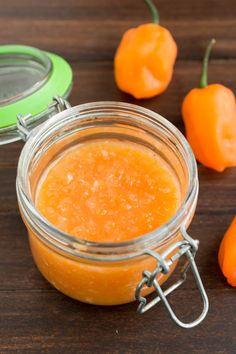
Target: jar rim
(74, 244)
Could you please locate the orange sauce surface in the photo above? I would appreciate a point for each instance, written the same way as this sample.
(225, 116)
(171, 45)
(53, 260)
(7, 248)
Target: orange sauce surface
(108, 191)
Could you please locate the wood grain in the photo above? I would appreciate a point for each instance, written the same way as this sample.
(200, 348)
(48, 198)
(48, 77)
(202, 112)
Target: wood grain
(112, 9)
(46, 322)
(98, 41)
(34, 317)
(91, 30)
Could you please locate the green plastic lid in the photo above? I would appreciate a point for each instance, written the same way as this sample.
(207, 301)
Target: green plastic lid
(29, 79)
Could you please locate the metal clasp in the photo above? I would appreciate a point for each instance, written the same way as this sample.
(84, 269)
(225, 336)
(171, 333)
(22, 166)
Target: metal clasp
(187, 247)
(59, 104)
(22, 126)
(25, 124)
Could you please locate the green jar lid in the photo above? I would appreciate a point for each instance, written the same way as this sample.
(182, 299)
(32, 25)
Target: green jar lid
(29, 79)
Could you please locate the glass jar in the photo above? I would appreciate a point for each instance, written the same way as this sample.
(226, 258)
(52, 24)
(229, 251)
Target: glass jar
(110, 273)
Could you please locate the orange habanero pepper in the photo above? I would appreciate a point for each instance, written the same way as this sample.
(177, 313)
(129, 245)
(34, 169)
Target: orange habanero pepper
(209, 114)
(227, 254)
(145, 58)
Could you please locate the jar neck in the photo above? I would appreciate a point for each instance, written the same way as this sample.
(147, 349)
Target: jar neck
(101, 120)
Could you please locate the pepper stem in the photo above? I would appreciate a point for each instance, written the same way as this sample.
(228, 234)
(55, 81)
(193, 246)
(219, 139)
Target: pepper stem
(203, 80)
(153, 10)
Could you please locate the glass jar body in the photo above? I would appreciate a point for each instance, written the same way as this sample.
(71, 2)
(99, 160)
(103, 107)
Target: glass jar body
(104, 274)
(92, 282)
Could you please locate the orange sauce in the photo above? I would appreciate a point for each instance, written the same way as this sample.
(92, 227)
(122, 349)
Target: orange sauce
(103, 191)
(108, 191)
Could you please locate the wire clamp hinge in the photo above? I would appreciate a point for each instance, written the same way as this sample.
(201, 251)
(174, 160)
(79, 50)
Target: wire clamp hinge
(22, 125)
(186, 247)
(59, 103)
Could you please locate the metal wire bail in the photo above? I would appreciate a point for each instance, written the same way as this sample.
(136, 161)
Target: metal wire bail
(187, 247)
(26, 123)
(22, 126)
(59, 103)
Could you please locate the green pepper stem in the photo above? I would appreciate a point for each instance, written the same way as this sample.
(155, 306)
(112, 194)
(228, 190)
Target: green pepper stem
(203, 80)
(153, 10)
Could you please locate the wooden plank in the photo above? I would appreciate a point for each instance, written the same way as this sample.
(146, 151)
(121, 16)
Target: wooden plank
(112, 9)
(17, 269)
(8, 201)
(51, 323)
(9, 155)
(97, 38)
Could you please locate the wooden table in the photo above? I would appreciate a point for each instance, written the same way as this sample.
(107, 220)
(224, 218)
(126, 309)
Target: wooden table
(34, 317)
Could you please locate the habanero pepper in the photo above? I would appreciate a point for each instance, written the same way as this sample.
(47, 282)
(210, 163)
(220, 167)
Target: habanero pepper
(227, 254)
(209, 114)
(145, 57)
